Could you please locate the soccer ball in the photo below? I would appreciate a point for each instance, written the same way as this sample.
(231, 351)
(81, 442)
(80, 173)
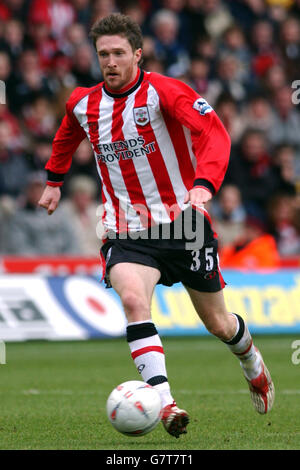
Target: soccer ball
(134, 408)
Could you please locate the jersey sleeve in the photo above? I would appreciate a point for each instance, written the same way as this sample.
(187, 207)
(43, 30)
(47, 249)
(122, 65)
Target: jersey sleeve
(210, 140)
(68, 137)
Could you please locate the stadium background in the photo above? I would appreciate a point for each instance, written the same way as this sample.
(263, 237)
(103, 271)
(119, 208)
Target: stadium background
(243, 57)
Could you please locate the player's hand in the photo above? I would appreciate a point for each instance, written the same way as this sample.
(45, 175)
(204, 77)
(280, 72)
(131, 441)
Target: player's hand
(50, 198)
(198, 197)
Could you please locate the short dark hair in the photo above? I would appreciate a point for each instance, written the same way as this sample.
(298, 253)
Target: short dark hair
(121, 25)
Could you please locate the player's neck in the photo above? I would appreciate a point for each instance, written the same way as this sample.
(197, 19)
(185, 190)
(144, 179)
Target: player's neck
(127, 87)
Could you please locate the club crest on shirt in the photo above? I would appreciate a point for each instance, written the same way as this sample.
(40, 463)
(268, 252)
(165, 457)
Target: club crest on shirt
(141, 115)
(202, 106)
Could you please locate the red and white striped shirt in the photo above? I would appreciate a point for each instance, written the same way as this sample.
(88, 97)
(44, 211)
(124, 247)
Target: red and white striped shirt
(152, 141)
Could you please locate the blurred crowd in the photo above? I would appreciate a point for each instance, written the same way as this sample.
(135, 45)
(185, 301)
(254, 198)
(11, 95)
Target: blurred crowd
(242, 56)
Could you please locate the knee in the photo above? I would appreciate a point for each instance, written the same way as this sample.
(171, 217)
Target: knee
(221, 329)
(135, 306)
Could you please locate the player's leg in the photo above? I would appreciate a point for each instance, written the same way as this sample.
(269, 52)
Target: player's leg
(135, 285)
(233, 331)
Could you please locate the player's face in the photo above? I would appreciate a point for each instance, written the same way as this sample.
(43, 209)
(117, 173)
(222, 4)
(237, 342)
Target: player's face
(118, 62)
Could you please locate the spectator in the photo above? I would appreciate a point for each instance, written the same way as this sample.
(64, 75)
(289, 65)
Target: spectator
(274, 78)
(7, 209)
(17, 138)
(286, 119)
(83, 65)
(151, 64)
(206, 47)
(31, 81)
(250, 168)
(148, 47)
(195, 20)
(257, 114)
(255, 249)
(229, 215)
(75, 36)
(40, 34)
(184, 31)
(83, 164)
(40, 152)
(240, 55)
(61, 77)
(248, 12)
(6, 76)
(39, 118)
(227, 109)
(5, 67)
(265, 52)
(278, 9)
(288, 165)
(102, 8)
(13, 166)
(32, 233)
(167, 47)
(13, 39)
(16, 9)
(295, 9)
(84, 214)
(134, 9)
(290, 46)
(198, 74)
(83, 12)
(228, 81)
(62, 15)
(217, 17)
(62, 95)
(284, 224)
(234, 42)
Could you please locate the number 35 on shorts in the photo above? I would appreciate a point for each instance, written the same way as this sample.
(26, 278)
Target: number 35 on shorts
(206, 259)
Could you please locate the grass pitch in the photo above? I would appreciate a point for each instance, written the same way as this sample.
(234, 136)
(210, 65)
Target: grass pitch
(53, 396)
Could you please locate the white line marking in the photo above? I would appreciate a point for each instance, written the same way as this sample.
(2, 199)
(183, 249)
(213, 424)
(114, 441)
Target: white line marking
(181, 391)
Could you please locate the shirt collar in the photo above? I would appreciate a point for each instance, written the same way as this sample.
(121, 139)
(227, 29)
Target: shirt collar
(130, 88)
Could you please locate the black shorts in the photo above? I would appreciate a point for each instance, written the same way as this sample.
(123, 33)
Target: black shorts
(197, 268)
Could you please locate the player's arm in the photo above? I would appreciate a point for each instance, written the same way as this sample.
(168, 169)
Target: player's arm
(66, 141)
(210, 140)
(211, 146)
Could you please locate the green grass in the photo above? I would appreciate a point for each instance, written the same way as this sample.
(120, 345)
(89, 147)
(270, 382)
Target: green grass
(53, 396)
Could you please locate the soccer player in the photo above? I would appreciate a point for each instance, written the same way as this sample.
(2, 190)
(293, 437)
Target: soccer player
(161, 154)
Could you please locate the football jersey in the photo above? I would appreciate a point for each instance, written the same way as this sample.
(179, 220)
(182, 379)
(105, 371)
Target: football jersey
(152, 141)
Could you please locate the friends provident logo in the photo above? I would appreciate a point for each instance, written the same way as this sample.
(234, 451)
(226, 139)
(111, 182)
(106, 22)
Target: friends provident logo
(124, 150)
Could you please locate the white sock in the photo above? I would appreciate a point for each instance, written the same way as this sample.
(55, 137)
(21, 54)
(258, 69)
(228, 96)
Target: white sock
(242, 346)
(148, 355)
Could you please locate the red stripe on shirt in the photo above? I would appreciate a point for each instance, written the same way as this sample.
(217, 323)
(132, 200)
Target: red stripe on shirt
(155, 159)
(127, 167)
(178, 138)
(145, 350)
(93, 114)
